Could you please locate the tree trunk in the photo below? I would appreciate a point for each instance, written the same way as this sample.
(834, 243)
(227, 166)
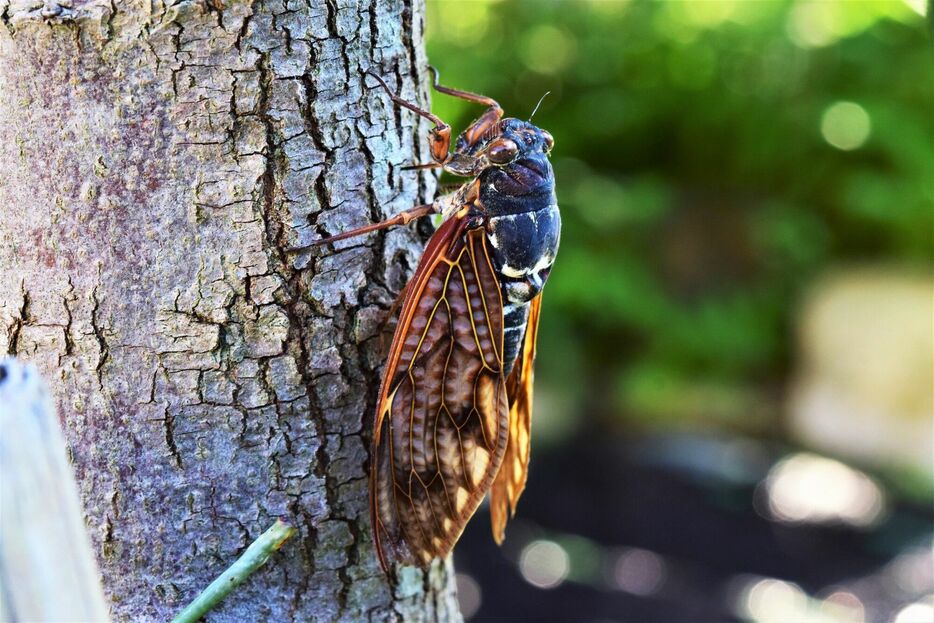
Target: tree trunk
(157, 161)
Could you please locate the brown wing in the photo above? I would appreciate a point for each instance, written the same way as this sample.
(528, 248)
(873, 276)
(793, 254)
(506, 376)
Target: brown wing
(510, 482)
(442, 419)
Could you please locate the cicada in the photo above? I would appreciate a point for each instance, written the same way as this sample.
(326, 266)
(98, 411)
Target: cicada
(454, 410)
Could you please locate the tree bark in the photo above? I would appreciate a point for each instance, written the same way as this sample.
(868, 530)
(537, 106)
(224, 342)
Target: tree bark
(158, 160)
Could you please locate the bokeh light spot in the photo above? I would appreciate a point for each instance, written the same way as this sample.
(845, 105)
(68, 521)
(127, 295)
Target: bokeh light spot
(544, 564)
(609, 9)
(773, 601)
(639, 572)
(469, 595)
(918, 6)
(806, 488)
(918, 612)
(709, 13)
(547, 49)
(811, 24)
(464, 23)
(843, 607)
(845, 125)
(912, 571)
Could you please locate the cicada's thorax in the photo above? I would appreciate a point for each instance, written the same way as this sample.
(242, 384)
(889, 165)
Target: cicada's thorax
(523, 231)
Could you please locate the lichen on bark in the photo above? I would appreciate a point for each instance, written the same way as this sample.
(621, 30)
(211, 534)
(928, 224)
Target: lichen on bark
(159, 160)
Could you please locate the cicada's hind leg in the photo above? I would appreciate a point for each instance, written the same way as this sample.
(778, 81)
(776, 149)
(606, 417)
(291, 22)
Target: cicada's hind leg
(403, 218)
(484, 123)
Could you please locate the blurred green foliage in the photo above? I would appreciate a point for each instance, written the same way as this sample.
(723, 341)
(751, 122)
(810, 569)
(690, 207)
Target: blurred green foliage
(711, 158)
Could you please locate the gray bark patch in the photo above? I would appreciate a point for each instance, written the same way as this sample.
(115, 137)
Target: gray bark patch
(159, 161)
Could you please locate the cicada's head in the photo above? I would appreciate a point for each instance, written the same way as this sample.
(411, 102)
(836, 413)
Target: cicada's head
(515, 155)
(508, 140)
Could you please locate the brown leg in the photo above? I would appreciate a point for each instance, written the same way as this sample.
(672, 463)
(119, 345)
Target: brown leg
(439, 141)
(403, 218)
(486, 121)
(422, 166)
(464, 95)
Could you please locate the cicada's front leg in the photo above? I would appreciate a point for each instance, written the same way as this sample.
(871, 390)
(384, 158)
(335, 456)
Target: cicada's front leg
(439, 138)
(481, 125)
(457, 162)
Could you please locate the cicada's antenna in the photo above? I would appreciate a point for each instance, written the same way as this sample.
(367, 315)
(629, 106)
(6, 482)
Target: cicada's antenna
(542, 99)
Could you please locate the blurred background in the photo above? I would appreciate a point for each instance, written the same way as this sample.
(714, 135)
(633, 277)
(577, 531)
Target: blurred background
(734, 401)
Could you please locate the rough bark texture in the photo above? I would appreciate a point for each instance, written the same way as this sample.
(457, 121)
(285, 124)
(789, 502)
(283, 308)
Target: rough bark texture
(157, 159)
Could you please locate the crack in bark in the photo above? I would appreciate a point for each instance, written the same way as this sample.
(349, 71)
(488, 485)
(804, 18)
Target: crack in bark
(19, 320)
(168, 424)
(101, 340)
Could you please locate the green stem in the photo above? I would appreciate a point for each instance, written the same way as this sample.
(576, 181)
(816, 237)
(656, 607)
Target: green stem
(252, 559)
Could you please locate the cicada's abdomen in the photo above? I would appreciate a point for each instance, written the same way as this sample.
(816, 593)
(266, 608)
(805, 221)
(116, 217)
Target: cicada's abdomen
(524, 226)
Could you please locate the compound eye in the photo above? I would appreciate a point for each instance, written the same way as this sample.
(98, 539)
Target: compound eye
(549, 140)
(502, 151)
